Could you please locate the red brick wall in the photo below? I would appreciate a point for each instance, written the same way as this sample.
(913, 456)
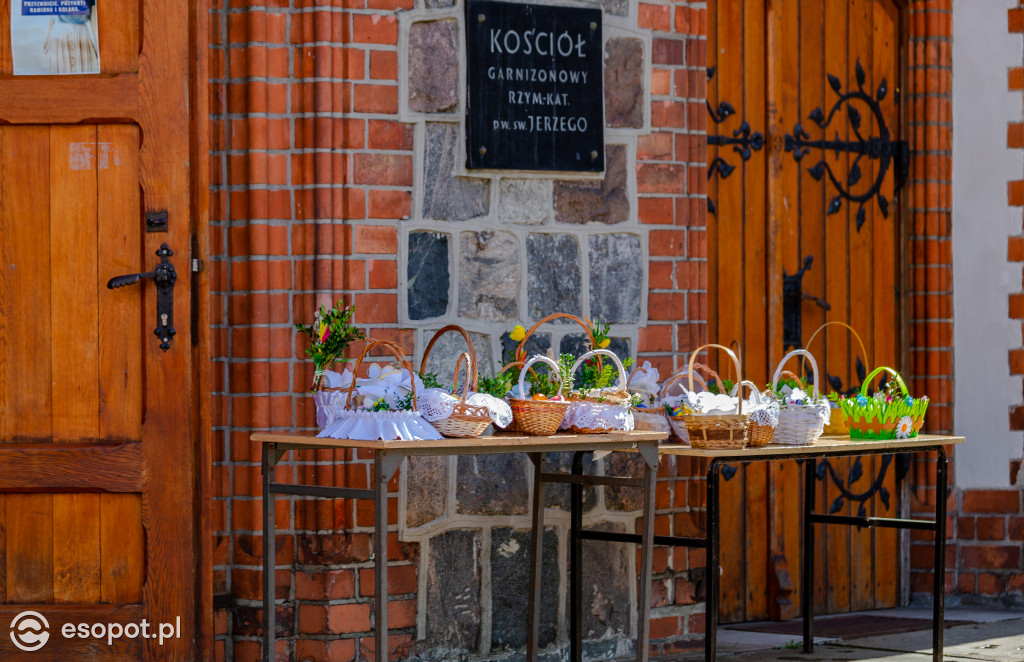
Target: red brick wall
(311, 171)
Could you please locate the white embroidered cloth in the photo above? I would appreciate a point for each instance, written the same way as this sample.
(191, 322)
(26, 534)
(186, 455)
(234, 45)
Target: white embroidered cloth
(597, 416)
(382, 425)
(437, 404)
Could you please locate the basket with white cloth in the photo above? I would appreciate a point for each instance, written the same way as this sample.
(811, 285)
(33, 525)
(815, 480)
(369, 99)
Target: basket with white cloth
(461, 412)
(649, 415)
(802, 417)
(600, 410)
(535, 416)
(675, 406)
(711, 424)
(375, 408)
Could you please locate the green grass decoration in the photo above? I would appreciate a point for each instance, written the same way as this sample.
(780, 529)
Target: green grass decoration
(894, 414)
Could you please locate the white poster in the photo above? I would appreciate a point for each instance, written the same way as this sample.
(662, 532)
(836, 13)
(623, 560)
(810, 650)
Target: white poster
(54, 37)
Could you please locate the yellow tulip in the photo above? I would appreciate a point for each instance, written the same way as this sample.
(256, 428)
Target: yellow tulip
(518, 333)
(604, 343)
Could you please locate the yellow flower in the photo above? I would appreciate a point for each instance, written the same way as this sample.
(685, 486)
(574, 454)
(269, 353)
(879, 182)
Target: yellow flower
(604, 343)
(518, 333)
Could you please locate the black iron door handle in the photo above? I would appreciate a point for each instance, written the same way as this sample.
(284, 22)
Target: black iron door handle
(164, 276)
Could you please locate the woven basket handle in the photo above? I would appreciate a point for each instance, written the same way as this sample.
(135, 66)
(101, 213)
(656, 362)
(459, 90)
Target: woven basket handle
(877, 371)
(735, 362)
(676, 378)
(520, 354)
(603, 352)
(469, 344)
(469, 374)
(398, 353)
(543, 359)
(846, 326)
(737, 390)
(797, 352)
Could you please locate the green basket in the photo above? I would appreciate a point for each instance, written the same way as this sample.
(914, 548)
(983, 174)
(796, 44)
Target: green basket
(873, 418)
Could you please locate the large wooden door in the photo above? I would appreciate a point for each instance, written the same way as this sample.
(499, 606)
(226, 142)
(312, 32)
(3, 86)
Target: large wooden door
(786, 69)
(96, 423)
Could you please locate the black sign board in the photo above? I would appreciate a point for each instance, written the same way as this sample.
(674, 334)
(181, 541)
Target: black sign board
(536, 99)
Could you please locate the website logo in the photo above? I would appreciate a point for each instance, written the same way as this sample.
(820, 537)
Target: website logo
(29, 631)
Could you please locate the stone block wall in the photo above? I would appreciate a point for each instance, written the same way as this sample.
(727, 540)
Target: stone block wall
(337, 172)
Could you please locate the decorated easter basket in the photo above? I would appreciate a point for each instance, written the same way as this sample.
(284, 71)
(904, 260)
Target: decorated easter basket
(673, 414)
(464, 420)
(717, 431)
(647, 418)
(385, 424)
(603, 410)
(836, 426)
(764, 416)
(884, 417)
(800, 424)
(538, 417)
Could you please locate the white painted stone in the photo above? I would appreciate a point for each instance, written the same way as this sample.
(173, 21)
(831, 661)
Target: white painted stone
(984, 391)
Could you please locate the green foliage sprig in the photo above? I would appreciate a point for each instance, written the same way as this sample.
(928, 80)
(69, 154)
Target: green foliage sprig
(330, 335)
(497, 386)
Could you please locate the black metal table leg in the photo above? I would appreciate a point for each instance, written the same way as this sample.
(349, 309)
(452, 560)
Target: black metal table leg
(807, 578)
(380, 555)
(576, 562)
(711, 563)
(646, 556)
(939, 590)
(269, 455)
(536, 560)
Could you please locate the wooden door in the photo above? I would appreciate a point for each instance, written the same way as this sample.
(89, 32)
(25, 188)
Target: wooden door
(786, 69)
(96, 422)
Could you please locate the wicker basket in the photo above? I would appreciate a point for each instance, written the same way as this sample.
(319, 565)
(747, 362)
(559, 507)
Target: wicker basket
(837, 426)
(799, 425)
(677, 423)
(757, 434)
(537, 417)
(466, 420)
(717, 431)
(603, 409)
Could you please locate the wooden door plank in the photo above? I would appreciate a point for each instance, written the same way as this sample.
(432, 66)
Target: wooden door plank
(122, 326)
(25, 384)
(73, 314)
(44, 99)
(76, 548)
(60, 467)
(30, 548)
(729, 221)
(6, 63)
(754, 339)
(122, 548)
(885, 64)
(3, 548)
(862, 270)
(783, 208)
(837, 538)
(713, 95)
(74, 318)
(168, 444)
(810, 210)
(119, 36)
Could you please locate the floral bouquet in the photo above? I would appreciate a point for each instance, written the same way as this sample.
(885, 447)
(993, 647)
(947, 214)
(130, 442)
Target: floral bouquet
(891, 414)
(329, 335)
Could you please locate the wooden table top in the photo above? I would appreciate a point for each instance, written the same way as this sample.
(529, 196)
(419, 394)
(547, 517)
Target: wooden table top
(824, 446)
(499, 443)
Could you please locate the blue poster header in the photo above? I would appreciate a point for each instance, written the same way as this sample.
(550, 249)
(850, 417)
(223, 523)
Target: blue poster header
(54, 7)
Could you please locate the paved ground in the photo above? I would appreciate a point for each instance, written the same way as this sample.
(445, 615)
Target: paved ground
(992, 636)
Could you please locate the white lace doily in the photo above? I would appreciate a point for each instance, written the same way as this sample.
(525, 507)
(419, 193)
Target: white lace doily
(436, 404)
(766, 414)
(597, 416)
(382, 425)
